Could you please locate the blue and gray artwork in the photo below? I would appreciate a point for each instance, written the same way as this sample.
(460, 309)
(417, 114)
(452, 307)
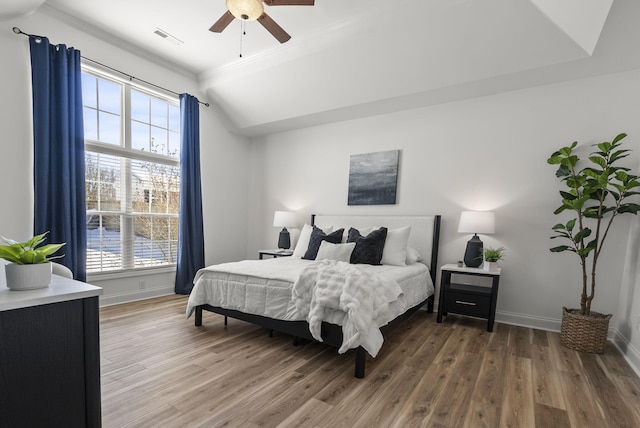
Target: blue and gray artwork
(373, 178)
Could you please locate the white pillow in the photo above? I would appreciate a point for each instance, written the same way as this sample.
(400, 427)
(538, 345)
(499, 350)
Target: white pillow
(338, 252)
(303, 240)
(413, 256)
(395, 247)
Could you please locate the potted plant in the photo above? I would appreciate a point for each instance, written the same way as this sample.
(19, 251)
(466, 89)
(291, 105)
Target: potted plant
(30, 263)
(596, 194)
(491, 257)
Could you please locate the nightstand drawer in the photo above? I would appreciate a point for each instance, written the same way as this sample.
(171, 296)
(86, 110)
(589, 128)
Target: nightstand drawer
(467, 304)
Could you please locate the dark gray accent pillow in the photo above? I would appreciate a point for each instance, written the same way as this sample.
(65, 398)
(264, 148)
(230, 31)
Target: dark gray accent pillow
(368, 248)
(317, 236)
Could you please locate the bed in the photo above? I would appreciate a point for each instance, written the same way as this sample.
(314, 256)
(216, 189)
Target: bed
(268, 292)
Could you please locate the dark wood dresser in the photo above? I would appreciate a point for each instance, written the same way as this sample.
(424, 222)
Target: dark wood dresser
(50, 355)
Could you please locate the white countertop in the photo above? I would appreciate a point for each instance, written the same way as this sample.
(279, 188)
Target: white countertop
(60, 290)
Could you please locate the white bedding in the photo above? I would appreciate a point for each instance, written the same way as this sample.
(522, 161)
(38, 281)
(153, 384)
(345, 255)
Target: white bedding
(264, 287)
(360, 298)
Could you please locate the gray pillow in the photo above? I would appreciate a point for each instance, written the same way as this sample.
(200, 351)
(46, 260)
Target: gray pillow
(317, 236)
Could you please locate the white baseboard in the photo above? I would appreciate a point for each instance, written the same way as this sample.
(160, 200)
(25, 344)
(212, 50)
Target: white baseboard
(628, 351)
(116, 299)
(531, 321)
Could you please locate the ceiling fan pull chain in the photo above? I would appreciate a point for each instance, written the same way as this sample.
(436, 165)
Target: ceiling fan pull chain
(242, 33)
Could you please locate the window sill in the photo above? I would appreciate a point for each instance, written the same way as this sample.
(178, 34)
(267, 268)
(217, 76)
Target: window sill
(119, 274)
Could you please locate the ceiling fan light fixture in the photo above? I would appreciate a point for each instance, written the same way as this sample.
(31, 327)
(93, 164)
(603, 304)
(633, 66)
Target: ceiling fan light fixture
(247, 10)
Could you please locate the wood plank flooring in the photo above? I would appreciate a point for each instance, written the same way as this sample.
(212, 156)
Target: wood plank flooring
(159, 370)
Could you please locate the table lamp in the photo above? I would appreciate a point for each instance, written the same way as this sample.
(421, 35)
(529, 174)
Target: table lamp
(476, 222)
(284, 219)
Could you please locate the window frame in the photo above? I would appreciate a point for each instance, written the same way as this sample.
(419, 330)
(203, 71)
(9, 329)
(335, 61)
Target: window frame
(125, 152)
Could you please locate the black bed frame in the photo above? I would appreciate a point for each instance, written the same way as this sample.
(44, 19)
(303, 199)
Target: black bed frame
(331, 333)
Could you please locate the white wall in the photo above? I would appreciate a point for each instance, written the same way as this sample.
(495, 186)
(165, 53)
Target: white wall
(628, 311)
(482, 154)
(224, 156)
(16, 162)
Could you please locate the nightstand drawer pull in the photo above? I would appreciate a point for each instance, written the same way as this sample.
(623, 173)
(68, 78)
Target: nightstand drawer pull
(460, 302)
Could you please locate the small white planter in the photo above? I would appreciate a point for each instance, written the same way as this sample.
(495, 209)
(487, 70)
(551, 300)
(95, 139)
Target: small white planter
(490, 265)
(28, 277)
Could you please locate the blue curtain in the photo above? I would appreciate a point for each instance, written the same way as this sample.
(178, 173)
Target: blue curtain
(59, 171)
(190, 227)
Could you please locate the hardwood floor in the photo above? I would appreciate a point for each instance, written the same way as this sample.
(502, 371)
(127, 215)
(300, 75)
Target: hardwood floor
(159, 370)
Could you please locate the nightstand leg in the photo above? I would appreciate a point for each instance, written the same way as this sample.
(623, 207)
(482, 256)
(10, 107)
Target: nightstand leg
(430, 304)
(494, 300)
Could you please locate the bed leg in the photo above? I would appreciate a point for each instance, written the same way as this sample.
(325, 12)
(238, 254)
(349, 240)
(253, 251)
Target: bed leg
(198, 316)
(361, 359)
(430, 305)
(225, 320)
(271, 333)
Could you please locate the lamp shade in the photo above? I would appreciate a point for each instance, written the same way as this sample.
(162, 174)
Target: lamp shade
(284, 219)
(477, 222)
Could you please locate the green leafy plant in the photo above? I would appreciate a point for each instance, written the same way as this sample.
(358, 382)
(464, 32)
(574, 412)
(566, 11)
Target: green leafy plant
(596, 194)
(494, 254)
(30, 252)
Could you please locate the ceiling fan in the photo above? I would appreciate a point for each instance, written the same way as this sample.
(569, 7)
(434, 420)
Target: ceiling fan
(251, 10)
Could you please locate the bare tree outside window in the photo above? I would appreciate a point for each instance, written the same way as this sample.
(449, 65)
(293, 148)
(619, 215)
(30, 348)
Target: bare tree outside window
(156, 191)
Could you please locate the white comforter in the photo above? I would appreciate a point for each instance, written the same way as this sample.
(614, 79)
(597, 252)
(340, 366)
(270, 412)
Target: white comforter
(327, 286)
(265, 288)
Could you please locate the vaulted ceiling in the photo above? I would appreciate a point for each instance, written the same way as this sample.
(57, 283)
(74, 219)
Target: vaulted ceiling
(354, 58)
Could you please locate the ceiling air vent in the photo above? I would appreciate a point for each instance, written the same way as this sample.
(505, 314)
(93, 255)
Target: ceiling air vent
(160, 32)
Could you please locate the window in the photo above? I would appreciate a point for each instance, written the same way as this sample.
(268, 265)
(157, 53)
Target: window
(132, 158)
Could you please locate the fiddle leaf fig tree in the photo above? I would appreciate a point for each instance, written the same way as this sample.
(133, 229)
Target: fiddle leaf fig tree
(596, 194)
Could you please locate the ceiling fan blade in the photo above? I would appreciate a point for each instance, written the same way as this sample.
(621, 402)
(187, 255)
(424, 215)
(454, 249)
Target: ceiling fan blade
(289, 2)
(222, 23)
(275, 30)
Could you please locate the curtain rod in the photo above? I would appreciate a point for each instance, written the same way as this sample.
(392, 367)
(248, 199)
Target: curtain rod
(19, 31)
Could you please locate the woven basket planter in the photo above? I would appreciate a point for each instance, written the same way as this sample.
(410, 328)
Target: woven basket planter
(585, 333)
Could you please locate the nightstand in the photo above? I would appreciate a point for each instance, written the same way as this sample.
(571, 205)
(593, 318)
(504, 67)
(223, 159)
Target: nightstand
(468, 299)
(274, 253)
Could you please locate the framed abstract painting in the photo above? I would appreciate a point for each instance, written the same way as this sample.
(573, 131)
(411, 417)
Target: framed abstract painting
(373, 178)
